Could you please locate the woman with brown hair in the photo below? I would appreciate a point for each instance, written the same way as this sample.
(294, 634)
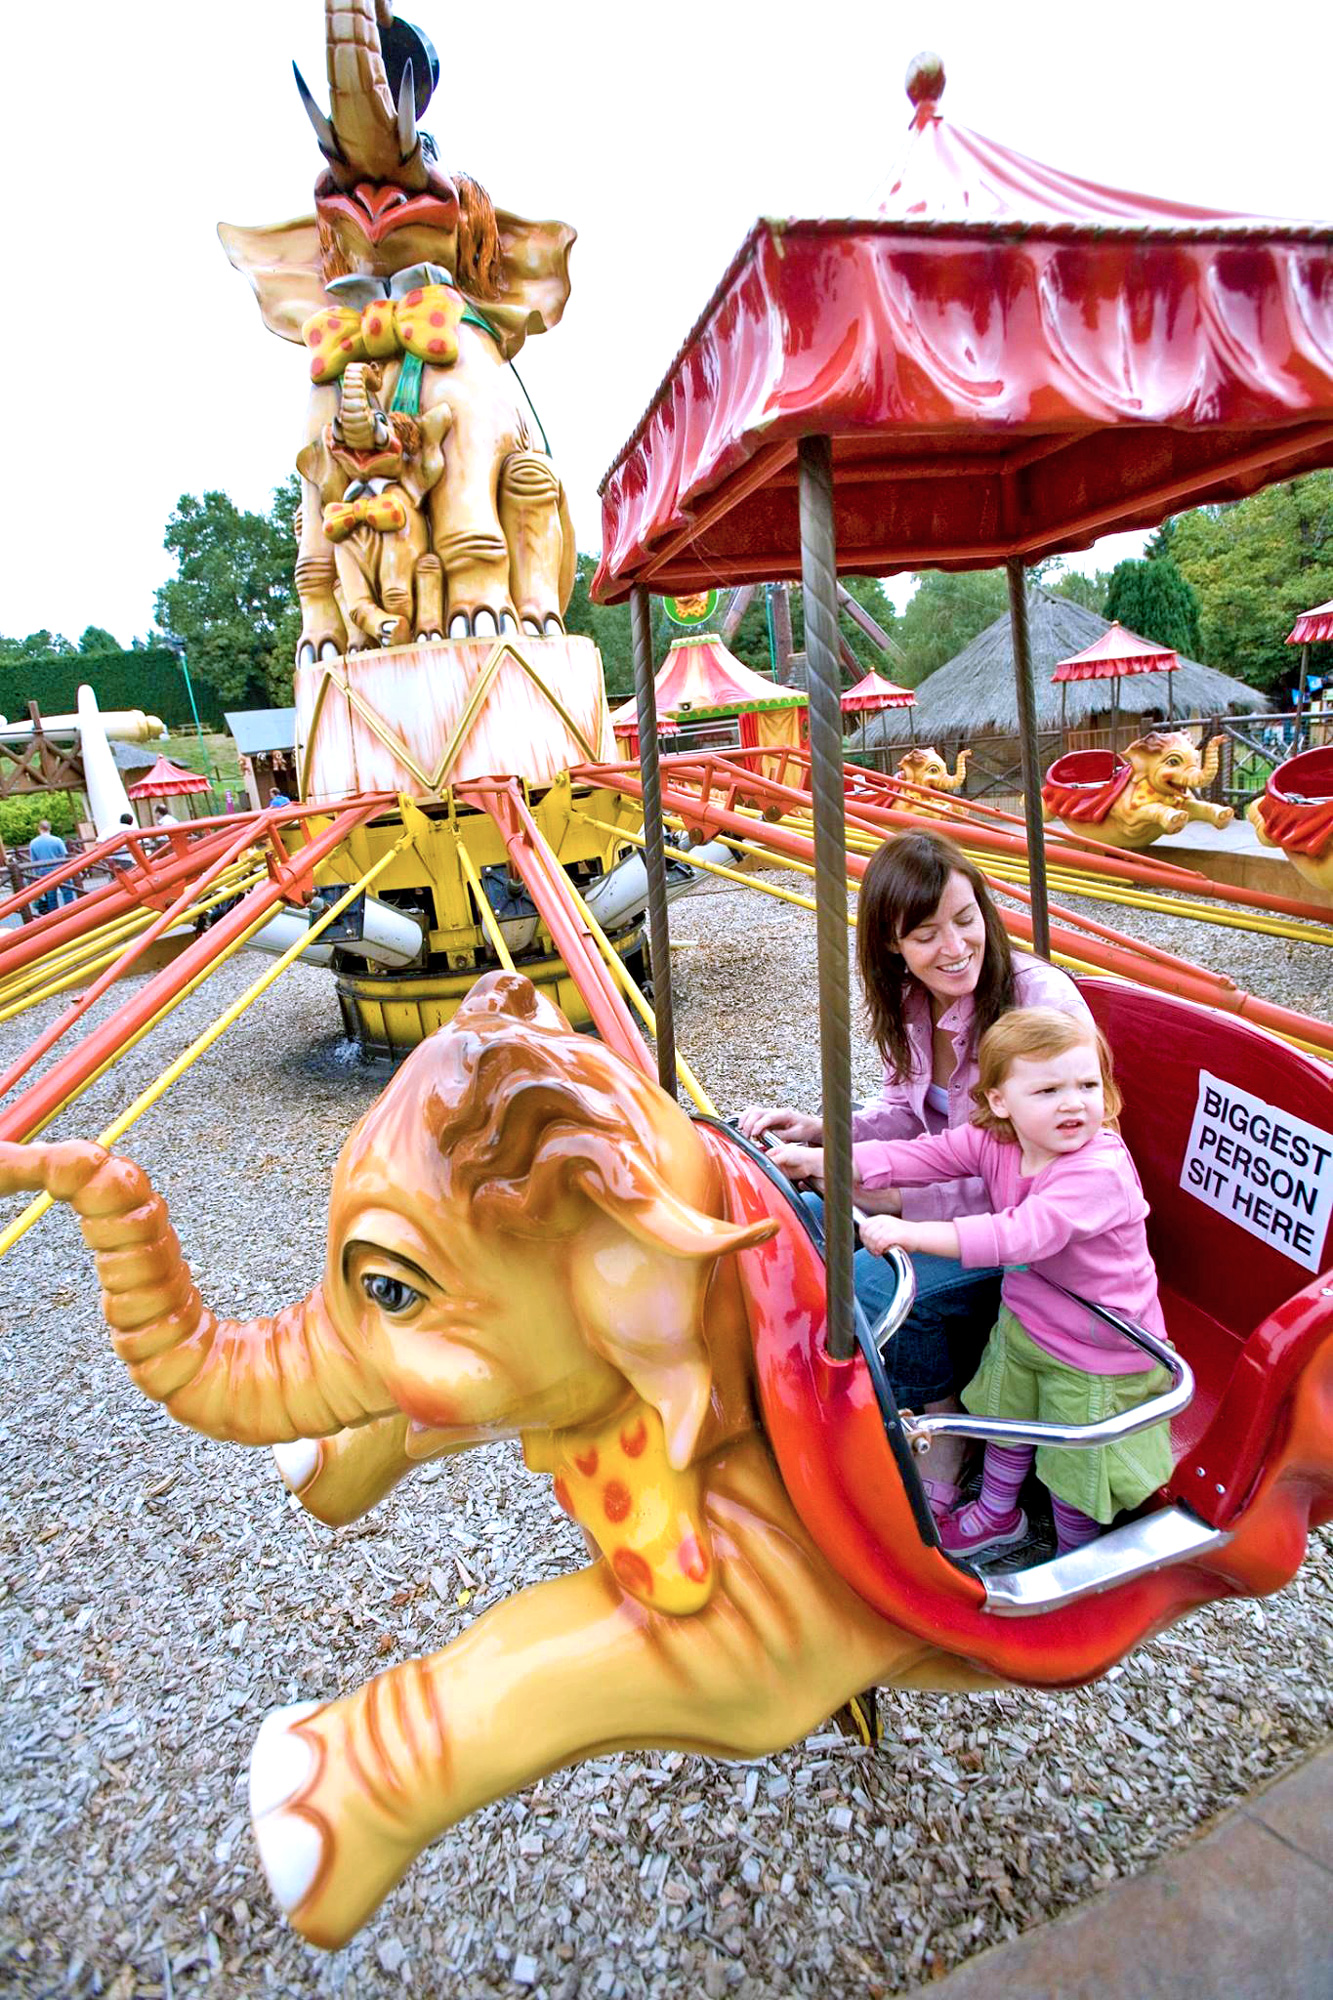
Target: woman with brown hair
(937, 969)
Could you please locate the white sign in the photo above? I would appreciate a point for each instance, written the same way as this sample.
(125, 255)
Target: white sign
(1265, 1169)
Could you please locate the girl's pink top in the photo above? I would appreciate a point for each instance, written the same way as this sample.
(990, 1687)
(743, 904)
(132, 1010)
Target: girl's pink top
(1078, 1222)
(901, 1111)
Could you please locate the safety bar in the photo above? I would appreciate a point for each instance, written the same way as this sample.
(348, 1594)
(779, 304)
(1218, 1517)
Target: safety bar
(1012, 1430)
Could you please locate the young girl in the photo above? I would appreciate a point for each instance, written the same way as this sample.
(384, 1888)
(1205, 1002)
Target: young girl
(1067, 1206)
(937, 970)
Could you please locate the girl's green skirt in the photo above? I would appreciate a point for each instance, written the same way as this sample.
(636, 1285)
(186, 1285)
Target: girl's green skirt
(1019, 1379)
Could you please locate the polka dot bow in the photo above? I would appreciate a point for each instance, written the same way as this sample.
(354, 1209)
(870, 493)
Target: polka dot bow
(424, 322)
(381, 511)
(616, 1481)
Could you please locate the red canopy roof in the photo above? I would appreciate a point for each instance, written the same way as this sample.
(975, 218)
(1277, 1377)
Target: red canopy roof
(165, 780)
(1117, 652)
(1312, 626)
(874, 692)
(1010, 361)
(699, 677)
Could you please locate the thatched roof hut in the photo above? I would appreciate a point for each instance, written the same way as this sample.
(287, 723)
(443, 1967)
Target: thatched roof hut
(974, 694)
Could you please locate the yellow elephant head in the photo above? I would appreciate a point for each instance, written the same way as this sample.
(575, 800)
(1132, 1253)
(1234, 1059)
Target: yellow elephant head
(523, 1232)
(1169, 760)
(383, 205)
(927, 767)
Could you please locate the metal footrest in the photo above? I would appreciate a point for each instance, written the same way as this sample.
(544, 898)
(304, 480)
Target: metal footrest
(1169, 1536)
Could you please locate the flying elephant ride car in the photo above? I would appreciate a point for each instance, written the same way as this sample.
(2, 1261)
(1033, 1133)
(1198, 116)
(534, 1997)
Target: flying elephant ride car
(529, 1237)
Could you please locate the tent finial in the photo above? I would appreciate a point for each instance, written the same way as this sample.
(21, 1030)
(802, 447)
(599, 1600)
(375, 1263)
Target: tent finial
(925, 81)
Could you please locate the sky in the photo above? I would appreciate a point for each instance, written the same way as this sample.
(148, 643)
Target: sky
(141, 366)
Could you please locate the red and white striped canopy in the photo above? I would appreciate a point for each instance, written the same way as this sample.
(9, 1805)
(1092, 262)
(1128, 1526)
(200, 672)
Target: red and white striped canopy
(166, 780)
(701, 678)
(874, 692)
(1117, 652)
(1312, 626)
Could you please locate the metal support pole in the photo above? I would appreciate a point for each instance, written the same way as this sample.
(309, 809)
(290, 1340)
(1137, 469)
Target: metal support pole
(1031, 756)
(177, 647)
(1299, 722)
(659, 935)
(819, 585)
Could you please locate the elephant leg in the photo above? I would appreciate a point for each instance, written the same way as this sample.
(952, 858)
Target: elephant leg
(430, 597)
(367, 619)
(398, 555)
(530, 520)
(1204, 809)
(346, 1793)
(476, 570)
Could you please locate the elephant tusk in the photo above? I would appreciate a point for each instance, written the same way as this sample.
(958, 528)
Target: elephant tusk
(407, 117)
(324, 132)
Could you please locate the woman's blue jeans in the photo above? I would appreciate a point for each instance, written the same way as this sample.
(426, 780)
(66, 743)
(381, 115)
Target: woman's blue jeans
(937, 1349)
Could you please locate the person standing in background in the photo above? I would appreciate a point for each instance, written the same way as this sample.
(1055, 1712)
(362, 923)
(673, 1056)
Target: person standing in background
(45, 850)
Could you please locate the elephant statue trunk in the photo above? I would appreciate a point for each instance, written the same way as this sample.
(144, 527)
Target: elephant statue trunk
(361, 423)
(377, 138)
(259, 1381)
(1211, 758)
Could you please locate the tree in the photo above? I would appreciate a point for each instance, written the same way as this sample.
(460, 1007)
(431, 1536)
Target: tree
(37, 646)
(233, 598)
(1089, 591)
(96, 639)
(1152, 598)
(1255, 565)
(608, 625)
(946, 611)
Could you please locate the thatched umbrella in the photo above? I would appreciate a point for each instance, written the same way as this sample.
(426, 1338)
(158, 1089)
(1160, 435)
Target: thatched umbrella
(1116, 653)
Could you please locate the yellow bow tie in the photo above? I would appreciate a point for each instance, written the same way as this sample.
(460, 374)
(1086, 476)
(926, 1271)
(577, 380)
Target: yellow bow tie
(383, 512)
(424, 323)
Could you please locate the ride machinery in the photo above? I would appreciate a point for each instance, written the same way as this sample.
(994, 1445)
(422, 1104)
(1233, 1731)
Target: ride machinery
(528, 1235)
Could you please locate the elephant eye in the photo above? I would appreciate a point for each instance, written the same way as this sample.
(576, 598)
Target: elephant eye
(391, 1295)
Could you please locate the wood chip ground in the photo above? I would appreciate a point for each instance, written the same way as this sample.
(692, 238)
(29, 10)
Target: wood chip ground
(159, 1593)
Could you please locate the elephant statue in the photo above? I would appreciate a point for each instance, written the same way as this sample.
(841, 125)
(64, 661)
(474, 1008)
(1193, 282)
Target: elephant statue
(1133, 801)
(526, 1237)
(413, 268)
(926, 767)
(372, 472)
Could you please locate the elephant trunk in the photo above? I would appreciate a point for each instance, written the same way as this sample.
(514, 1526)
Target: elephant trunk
(377, 138)
(1211, 758)
(260, 1381)
(356, 417)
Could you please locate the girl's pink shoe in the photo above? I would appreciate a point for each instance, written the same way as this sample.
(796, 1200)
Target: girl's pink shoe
(969, 1532)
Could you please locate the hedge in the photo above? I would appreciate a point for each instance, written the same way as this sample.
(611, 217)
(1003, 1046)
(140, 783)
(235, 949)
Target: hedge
(150, 679)
(21, 817)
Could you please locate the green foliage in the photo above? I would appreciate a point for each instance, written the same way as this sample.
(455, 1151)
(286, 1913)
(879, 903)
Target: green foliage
(146, 677)
(37, 646)
(1255, 566)
(608, 625)
(233, 599)
(1152, 598)
(947, 610)
(20, 818)
(97, 640)
(1089, 591)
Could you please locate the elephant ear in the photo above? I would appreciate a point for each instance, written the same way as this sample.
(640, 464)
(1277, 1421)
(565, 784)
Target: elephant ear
(535, 258)
(282, 262)
(648, 1310)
